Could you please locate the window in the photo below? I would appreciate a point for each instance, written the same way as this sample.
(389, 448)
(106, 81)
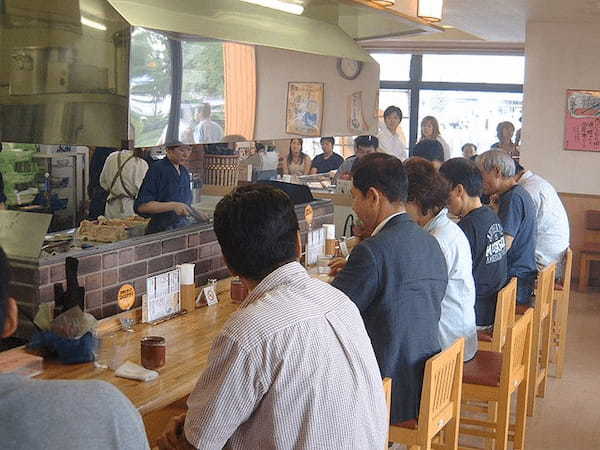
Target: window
(468, 94)
(474, 68)
(470, 116)
(393, 66)
(150, 88)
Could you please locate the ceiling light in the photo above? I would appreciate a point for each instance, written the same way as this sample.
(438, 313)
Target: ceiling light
(385, 3)
(291, 8)
(430, 10)
(92, 24)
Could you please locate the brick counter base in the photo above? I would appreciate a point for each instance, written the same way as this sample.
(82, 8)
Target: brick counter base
(104, 273)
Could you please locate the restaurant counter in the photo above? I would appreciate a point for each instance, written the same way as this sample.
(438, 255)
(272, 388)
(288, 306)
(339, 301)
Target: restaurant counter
(105, 268)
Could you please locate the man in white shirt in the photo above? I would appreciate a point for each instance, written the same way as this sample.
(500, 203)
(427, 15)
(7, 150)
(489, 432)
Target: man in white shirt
(390, 139)
(294, 366)
(207, 131)
(121, 177)
(552, 219)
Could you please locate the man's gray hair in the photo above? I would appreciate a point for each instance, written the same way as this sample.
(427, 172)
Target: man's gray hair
(497, 159)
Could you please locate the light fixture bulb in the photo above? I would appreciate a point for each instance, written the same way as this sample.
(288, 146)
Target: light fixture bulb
(430, 10)
(291, 8)
(385, 3)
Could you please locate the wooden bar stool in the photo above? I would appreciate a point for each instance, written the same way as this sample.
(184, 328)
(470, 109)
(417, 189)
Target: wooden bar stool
(591, 247)
(503, 320)
(493, 377)
(542, 326)
(440, 403)
(562, 294)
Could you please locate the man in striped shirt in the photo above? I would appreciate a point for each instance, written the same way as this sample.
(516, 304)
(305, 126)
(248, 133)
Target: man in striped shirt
(294, 367)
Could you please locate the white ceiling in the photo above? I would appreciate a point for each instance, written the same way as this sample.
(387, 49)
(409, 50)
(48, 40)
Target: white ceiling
(505, 20)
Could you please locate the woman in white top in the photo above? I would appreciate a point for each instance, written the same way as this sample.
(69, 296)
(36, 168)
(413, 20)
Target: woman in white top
(297, 162)
(427, 197)
(430, 129)
(122, 177)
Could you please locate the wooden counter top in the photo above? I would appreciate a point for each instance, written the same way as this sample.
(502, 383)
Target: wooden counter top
(189, 338)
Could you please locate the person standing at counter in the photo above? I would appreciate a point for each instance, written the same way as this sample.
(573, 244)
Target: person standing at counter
(294, 367)
(207, 131)
(66, 415)
(297, 163)
(430, 129)
(98, 195)
(363, 145)
(397, 278)
(165, 195)
(122, 176)
(390, 139)
(328, 160)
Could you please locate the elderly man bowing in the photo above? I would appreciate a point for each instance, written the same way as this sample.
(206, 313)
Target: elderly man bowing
(397, 278)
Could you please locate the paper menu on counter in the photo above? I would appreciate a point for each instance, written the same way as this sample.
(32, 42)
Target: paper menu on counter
(162, 296)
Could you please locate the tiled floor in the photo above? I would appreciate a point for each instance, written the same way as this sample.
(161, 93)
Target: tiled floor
(568, 418)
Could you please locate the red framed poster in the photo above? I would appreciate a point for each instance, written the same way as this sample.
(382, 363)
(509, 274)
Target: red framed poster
(582, 120)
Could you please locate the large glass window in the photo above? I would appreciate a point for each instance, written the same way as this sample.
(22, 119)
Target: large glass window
(474, 68)
(470, 116)
(393, 66)
(468, 94)
(150, 88)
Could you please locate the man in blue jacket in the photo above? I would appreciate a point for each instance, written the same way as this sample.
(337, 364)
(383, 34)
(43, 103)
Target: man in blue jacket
(397, 277)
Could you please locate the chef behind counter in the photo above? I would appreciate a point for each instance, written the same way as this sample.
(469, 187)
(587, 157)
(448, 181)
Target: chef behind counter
(165, 195)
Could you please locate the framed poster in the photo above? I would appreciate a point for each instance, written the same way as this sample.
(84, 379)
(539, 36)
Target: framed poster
(582, 121)
(304, 114)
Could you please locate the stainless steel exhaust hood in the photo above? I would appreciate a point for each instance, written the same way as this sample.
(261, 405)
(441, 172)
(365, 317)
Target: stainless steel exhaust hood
(64, 64)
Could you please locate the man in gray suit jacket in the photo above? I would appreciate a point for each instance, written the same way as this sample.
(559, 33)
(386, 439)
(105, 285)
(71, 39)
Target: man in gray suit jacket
(397, 277)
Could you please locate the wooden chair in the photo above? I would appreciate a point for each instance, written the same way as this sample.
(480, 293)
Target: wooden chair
(440, 403)
(493, 377)
(591, 247)
(387, 390)
(541, 337)
(562, 294)
(504, 319)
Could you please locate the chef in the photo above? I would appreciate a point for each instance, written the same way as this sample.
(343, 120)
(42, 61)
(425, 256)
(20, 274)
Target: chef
(165, 195)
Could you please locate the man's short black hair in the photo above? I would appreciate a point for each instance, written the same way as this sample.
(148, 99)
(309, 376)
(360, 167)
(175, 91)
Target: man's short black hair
(391, 110)
(463, 171)
(256, 226)
(4, 279)
(429, 149)
(327, 138)
(383, 172)
(366, 141)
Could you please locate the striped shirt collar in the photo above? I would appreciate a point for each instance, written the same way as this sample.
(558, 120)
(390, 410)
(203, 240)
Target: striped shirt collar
(282, 275)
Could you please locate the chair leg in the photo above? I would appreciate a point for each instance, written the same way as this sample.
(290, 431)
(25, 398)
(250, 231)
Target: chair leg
(521, 417)
(563, 317)
(584, 273)
(545, 353)
(492, 417)
(533, 370)
(451, 434)
(502, 424)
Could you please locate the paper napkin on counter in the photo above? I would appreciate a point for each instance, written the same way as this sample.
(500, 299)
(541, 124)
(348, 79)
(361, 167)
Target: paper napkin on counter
(135, 372)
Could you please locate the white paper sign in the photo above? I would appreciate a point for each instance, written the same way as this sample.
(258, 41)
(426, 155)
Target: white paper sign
(210, 295)
(162, 297)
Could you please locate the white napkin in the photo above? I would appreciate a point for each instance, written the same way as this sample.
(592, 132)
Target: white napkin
(135, 372)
